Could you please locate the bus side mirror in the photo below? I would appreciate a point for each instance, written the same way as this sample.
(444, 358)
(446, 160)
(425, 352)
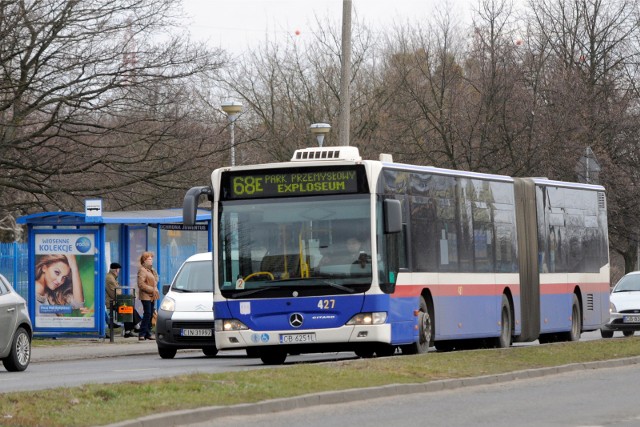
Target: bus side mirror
(392, 216)
(190, 203)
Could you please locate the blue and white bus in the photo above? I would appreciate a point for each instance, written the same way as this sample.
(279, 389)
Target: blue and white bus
(444, 257)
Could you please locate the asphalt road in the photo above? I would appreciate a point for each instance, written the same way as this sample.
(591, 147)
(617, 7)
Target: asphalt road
(598, 397)
(43, 374)
(71, 373)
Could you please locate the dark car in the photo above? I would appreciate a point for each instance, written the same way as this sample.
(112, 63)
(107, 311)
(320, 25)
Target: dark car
(15, 328)
(624, 307)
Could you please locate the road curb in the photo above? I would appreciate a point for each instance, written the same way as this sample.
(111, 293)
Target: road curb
(200, 415)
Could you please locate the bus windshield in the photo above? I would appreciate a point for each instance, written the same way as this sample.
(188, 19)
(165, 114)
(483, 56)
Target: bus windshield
(310, 246)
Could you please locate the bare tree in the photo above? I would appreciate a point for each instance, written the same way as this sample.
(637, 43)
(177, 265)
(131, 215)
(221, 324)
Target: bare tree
(288, 87)
(90, 96)
(591, 99)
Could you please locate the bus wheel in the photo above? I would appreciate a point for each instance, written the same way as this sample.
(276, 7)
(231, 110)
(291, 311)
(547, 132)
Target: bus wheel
(576, 321)
(365, 352)
(445, 345)
(253, 352)
(504, 340)
(385, 350)
(425, 332)
(273, 357)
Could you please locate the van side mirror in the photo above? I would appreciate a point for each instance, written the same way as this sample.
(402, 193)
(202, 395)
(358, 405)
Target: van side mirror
(190, 203)
(165, 289)
(392, 216)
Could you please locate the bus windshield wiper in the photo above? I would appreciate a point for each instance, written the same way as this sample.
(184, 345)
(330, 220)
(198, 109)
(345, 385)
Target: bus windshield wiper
(251, 292)
(337, 286)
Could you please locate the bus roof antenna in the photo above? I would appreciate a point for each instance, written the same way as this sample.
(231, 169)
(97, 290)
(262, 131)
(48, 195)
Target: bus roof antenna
(320, 130)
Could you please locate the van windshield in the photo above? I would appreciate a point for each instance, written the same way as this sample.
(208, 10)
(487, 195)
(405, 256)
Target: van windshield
(194, 276)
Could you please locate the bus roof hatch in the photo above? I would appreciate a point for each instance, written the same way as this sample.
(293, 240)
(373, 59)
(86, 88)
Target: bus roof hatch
(327, 153)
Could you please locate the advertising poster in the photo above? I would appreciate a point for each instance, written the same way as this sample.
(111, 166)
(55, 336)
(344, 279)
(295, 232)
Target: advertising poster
(64, 280)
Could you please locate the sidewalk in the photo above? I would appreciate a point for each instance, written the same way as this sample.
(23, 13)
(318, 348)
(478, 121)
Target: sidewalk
(89, 348)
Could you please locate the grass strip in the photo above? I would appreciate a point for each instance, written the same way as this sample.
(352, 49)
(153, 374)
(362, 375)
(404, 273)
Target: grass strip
(103, 404)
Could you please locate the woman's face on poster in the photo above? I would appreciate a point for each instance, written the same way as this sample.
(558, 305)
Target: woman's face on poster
(55, 274)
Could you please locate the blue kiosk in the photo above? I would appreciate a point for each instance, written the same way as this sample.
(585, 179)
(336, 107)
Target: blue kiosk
(70, 253)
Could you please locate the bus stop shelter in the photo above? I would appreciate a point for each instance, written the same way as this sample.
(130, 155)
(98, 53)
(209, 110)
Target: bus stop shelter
(70, 252)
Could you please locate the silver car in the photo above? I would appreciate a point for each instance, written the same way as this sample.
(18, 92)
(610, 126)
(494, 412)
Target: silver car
(624, 307)
(15, 329)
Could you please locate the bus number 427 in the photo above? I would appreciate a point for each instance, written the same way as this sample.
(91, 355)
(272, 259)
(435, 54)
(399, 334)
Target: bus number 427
(326, 304)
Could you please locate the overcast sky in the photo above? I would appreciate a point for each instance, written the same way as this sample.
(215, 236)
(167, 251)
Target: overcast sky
(236, 24)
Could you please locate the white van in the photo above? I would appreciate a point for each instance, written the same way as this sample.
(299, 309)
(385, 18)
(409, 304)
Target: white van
(185, 318)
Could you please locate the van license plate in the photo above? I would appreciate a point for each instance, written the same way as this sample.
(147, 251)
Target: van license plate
(631, 319)
(195, 332)
(297, 338)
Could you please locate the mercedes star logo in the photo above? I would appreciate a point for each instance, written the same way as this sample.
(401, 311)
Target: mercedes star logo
(295, 320)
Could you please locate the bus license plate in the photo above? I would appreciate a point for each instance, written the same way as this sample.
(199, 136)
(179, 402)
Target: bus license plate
(631, 319)
(297, 338)
(196, 332)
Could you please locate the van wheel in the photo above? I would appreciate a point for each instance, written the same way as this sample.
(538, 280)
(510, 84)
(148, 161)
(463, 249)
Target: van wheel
(606, 334)
(210, 351)
(167, 353)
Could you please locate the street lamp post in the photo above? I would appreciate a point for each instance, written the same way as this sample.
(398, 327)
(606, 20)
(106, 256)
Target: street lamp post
(344, 118)
(320, 130)
(232, 110)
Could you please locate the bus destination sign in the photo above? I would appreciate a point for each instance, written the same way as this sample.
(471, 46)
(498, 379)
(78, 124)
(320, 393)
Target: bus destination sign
(293, 182)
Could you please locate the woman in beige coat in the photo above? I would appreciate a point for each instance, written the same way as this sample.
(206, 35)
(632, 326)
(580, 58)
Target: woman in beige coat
(147, 293)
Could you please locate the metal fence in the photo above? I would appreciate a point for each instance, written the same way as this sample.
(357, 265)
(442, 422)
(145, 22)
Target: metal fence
(14, 265)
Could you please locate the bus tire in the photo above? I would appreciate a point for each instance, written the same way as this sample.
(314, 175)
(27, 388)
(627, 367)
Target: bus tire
(506, 322)
(576, 320)
(365, 351)
(385, 350)
(445, 346)
(273, 357)
(253, 352)
(425, 332)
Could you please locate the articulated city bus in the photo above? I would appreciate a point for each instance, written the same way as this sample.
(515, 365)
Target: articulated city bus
(330, 252)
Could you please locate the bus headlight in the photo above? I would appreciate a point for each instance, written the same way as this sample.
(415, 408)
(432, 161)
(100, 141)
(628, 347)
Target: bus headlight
(168, 304)
(375, 318)
(225, 325)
